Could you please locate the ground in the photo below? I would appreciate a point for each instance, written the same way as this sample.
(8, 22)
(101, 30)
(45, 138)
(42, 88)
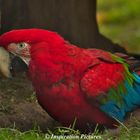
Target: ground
(19, 107)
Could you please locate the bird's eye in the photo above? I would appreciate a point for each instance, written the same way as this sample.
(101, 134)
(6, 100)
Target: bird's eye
(21, 45)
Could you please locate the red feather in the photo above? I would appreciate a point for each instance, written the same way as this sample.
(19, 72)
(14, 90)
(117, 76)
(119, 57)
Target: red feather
(59, 76)
(63, 75)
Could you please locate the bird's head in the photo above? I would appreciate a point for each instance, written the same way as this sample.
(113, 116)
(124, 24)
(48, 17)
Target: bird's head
(20, 42)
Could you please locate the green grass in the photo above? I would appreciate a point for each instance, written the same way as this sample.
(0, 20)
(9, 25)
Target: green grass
(62, 133)
(58, 133)
(119, 20)
(14, 134)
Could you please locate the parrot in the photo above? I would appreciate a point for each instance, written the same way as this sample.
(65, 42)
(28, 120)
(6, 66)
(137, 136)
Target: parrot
(91, 86)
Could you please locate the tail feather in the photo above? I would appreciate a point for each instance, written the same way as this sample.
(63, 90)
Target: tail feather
(133, 61)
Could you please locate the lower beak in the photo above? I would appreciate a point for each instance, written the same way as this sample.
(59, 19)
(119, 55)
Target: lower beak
(17, 65)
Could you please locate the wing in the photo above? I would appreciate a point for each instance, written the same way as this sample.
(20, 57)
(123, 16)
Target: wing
(106, 74)
(99, 79)
(112, 88)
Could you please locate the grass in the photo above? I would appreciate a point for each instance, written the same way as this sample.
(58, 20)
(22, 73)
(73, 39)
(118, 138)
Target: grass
(119, 20)
(14, 134)
(59, 133)
(63, 133)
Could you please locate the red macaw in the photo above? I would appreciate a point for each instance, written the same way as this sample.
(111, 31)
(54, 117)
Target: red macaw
(89, 85)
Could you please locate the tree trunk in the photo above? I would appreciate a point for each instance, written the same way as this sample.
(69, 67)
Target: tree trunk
(75, 20)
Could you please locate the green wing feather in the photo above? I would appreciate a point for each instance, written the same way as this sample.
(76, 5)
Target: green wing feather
(115, 94)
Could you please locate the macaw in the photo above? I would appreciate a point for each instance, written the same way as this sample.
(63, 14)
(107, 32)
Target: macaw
(90, 86)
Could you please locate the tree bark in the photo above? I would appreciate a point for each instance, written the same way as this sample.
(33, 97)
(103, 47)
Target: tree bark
(75, 20)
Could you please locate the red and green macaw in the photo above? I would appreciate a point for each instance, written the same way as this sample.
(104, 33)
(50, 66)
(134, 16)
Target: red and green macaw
(90, 85)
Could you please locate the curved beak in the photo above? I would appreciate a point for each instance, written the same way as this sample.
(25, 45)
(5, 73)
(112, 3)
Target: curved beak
(10, 64)
(4, 63)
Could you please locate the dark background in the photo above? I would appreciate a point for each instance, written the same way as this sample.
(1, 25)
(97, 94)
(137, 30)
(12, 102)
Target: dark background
(75, 20)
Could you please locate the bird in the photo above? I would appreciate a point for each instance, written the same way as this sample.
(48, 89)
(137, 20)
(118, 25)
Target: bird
(91, 86)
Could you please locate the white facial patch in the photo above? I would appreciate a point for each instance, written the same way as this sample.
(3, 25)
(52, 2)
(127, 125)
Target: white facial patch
(21, 50)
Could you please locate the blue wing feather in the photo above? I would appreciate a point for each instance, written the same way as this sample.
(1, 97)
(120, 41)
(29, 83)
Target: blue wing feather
(131, 100)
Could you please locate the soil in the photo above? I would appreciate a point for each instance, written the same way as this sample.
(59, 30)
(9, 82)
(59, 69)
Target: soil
(19, 107)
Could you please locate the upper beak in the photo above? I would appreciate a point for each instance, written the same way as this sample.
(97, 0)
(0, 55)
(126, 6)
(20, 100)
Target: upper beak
(10, 64)
(4, 63)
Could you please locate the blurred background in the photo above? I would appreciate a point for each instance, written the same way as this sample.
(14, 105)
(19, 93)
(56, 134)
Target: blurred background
(120, 21)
